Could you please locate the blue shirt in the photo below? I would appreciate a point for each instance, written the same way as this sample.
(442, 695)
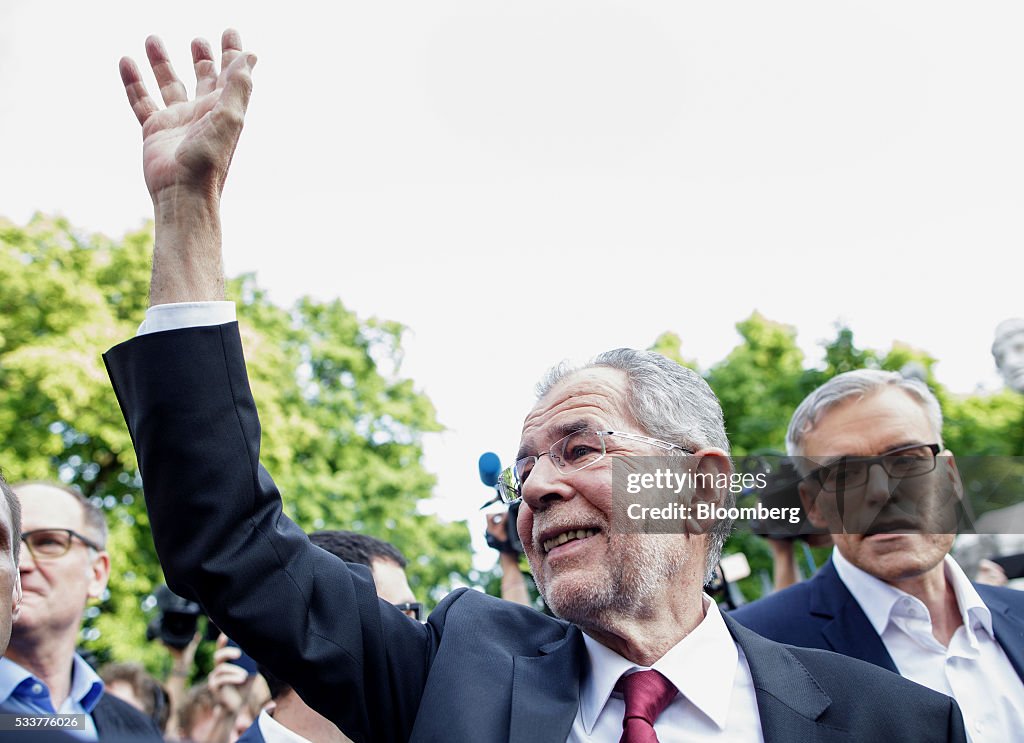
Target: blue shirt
(20, 691)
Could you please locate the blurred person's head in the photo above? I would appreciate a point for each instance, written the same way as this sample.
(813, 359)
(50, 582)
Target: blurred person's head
(197, 716)
(386, 563)
(131, 683)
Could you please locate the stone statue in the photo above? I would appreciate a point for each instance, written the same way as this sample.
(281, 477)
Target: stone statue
(1008, 349)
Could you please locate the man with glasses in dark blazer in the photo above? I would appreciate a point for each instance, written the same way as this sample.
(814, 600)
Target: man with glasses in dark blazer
(869, 444)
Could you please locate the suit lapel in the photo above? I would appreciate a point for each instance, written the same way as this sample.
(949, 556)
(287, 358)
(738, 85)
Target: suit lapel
(849, 632)
(1008, 628)
(546, 691)
(789, 700)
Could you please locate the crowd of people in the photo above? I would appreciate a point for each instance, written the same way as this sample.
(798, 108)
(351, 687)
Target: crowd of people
(889, 639)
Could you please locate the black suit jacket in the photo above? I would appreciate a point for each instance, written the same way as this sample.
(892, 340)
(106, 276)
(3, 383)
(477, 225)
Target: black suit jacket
(480, 669)
(115, 718)
(822, 613)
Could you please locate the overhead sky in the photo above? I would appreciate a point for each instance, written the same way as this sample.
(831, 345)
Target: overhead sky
(524, 182)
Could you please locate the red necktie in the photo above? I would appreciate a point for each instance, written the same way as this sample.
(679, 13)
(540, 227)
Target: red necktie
(647, 694)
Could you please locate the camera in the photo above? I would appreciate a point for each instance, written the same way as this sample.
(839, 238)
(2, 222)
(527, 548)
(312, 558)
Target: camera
(511, 544)
(781, 490)
(176, 621)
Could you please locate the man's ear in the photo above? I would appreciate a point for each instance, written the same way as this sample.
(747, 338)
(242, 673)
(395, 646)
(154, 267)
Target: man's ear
(99, 574)
(947, 465)
(16, 596)
(956, 505)
(713, 469)
(809, 493)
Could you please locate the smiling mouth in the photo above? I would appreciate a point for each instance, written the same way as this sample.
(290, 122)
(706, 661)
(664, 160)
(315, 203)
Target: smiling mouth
(567, 536)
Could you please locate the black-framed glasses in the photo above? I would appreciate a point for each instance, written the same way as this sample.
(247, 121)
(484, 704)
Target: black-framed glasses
(848, 473)
(49, 544)
(412, 609)
(571, 453)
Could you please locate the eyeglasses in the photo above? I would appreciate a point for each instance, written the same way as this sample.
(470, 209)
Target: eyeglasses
(412, 609)
(49, 544)
(571, 453)
(849, 473)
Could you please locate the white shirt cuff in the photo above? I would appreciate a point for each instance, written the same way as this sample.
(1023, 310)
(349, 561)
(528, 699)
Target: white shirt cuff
(186, 315)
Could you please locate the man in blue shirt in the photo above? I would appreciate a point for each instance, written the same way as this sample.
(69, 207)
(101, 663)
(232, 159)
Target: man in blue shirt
(63, 565)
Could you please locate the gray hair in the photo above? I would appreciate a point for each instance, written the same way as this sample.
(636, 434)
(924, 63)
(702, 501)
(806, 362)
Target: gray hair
(670, 402)
(92, 517)
(858, 383)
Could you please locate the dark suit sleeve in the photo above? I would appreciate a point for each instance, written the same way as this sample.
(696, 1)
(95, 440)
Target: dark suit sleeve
(222, 538)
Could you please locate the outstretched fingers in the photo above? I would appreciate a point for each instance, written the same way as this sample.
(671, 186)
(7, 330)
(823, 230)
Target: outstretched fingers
(234, 97)
(206, 70)
(231, 48)
(138, 96)
(171, 88)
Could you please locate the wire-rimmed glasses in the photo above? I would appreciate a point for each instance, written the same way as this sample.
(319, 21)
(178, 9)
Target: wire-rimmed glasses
(572, 453)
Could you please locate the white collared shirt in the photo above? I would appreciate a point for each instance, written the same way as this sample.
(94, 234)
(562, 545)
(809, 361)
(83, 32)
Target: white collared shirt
(974, 670)
(716, 699)
(274, 732)
(186, 315)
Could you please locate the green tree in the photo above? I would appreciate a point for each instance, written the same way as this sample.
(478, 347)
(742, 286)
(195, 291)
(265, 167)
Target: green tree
(670, 345)
(342, 430)
(759, 384)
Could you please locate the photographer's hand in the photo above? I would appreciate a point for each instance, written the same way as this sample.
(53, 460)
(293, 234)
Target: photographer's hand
(230, 685)
(513, 584)
(991, 574)
(186, 152)
(181, 669)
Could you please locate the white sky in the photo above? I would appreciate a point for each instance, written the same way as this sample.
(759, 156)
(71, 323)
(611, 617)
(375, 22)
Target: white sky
(519, 183)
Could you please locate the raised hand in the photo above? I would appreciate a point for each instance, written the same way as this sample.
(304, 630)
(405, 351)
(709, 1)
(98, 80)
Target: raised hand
(186, 152)
(189, 143)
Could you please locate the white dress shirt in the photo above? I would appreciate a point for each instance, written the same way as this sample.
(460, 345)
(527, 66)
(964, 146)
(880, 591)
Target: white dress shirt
(186, 315)
(716, 699)
(974, 670)
(274, 732)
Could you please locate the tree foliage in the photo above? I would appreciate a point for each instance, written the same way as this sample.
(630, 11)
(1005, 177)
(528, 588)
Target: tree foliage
(342, 430)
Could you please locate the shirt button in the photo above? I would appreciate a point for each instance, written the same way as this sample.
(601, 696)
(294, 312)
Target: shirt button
(37, 688)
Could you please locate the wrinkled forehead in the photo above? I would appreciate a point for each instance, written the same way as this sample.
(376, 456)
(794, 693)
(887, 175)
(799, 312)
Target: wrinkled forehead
(596, 396)
(866, 425)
